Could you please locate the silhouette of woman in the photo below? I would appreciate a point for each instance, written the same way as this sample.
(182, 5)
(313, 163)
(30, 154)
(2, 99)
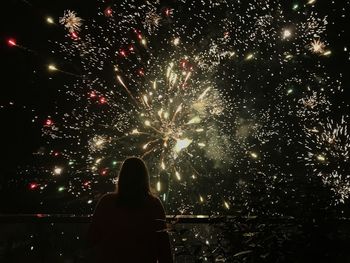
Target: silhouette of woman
(129, 225)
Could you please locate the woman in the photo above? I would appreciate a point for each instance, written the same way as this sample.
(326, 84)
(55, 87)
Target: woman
(129, 225)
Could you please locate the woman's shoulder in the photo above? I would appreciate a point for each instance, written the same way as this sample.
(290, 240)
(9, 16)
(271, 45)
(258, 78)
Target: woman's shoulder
(108, 197)
(156, 203)
(154, 199)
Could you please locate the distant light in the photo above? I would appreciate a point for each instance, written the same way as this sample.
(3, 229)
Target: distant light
(122, 52)
(289, 91)
(178, 176)
(295, 6)
(287, 33)
(147, 123)
(168, 12)
(141, 72)
(74, 35)
(158, 186)
(194, 120)
(254, 155)
(50, 20)
(33, 186)
(310, 2)
(52, 67)
(176, 41)
(289, 56)
(226, 205)
(103, 100)
(249, 56)
(143, 41)
(321, 158)
(48, 122)
(135, 131)
(12, 42)
(58, 170)
(108, 11)
(327, 53)
(201, 199)
(61, 189)
(92, 94)
(231, 53)
(104, 172)
(89, 201)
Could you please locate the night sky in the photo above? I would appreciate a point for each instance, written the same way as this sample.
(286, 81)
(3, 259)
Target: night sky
(238, 179)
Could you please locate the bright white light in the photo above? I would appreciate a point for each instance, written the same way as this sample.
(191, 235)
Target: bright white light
(52, 67)
(287, 33)
(50, 20)
(176, 41)
(327, 53)
(254, 155)
(194, 120)
(321, 158)
(226, 205)
(182, 144)
(178, 176)
(57, 170)
(249, 56)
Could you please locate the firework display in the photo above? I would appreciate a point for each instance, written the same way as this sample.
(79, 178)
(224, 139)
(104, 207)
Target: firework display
(328, 155)
(220, 98)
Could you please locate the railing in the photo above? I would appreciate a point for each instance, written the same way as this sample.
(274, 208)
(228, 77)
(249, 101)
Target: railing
(72, 218)
(199, 238)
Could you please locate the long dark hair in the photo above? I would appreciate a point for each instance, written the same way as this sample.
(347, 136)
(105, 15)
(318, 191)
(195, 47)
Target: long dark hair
(133, 185)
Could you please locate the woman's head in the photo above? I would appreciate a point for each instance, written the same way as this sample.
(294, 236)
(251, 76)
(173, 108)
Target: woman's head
(133, 182)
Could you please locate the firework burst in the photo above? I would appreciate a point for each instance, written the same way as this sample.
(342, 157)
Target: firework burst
(328, 146)
(317, 47)
(152, 21)
(172, 122)
(71, 21)
(196, 102)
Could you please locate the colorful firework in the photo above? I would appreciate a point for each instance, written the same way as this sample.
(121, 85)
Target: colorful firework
(152, 21)
(214, 97)
(317, 47)
(328, 146)
(71, 21)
